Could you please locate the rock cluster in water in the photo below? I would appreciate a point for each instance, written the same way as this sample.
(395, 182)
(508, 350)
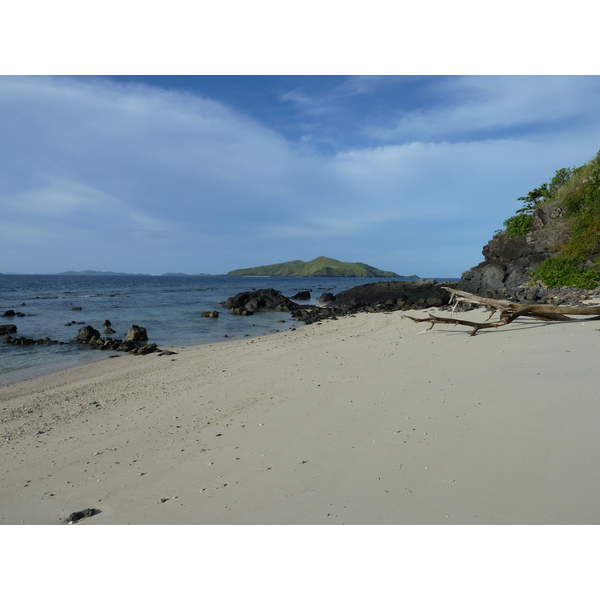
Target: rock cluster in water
(247, 303)
(384, 296)
(135, 341)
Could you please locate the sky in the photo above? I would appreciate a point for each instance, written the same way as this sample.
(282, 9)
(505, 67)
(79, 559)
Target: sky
(210, 173)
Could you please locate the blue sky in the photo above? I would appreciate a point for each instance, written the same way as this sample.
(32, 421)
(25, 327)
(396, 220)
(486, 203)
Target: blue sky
(212, 173)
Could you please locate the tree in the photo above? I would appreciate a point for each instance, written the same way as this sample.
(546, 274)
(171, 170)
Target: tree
(533, 199)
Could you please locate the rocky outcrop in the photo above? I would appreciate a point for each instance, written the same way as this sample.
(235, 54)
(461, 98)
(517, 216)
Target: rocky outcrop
(302, 296)
(86, 334)
(136, 334)
(10, 328)
(247, 303)
(12, 313)
(510, 260)
(326, 297)
(385, 296)
(210, 314)
(90, 337)
(108, 330)
(23, 341)
(381, 296)
(423, 293)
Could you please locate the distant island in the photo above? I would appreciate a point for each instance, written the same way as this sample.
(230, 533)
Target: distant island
(114, 274)
(319, 267)
(88, 272)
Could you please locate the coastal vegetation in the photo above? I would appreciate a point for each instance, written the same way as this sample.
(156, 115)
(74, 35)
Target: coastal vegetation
(318, 267)
(575, 194)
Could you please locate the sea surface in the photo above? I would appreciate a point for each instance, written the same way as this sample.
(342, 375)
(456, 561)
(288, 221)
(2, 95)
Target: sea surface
(169, 307)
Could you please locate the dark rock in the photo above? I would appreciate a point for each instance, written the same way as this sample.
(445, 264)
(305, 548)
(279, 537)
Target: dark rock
(241, 312)
(385, 296)
(136, 334)
(86, 334)
(82, 514)
(406, 293)
(18, 341)
(301, 296)
(12, 313)
(108, 330)
(106, 323)
(148, 349)
(433, 301)
(326, 297)
(10, 328)
(77, 308)
(126, 346)
(264, 299)
(211, 314)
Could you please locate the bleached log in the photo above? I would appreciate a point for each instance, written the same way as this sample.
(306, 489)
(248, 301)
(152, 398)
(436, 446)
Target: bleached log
(509, 311)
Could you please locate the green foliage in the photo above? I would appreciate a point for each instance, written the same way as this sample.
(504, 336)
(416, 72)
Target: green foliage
(577, 189)
(561, 178)
(547, 191)
(562, 271)
(518, 225)
(582, 206)
(533, 199)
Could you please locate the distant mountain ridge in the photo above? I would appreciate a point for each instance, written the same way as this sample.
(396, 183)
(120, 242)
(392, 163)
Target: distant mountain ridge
(89, 272)
(318, 267)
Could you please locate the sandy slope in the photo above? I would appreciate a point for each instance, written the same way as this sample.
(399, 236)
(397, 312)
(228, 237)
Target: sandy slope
(356, 421)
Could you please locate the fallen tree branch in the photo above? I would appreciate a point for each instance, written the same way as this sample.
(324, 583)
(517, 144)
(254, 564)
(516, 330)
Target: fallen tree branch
(509, 311)
(433, 320)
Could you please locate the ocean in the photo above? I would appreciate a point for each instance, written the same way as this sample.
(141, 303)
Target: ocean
(169, 307)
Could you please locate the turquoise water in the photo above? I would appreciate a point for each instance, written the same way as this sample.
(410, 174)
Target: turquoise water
(168, 307)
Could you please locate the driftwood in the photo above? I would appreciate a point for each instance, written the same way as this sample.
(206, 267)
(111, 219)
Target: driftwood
(509, 311)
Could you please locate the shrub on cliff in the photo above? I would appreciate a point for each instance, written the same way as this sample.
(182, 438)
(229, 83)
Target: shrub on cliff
(561, 271)
(577, 265)
(518, 225)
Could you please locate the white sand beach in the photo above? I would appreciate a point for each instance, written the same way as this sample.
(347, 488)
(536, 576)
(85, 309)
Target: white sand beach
(353, 421)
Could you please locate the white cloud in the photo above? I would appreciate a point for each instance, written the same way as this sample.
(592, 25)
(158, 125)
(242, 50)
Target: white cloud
(170, 179)
(493, 105)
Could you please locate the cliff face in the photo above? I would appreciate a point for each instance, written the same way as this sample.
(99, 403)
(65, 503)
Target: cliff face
(509, 260)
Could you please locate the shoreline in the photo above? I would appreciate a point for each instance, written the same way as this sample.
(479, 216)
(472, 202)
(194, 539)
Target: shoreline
(89, 356)
(356, 421)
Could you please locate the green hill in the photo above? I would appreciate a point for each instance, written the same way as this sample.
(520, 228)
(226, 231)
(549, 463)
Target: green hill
(319, 267)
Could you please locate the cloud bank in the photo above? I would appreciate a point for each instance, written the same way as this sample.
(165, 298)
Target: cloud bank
(98, 174)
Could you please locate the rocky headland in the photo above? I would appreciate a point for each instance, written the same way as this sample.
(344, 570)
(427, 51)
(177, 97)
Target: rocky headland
(552, 242)
(509, 261)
